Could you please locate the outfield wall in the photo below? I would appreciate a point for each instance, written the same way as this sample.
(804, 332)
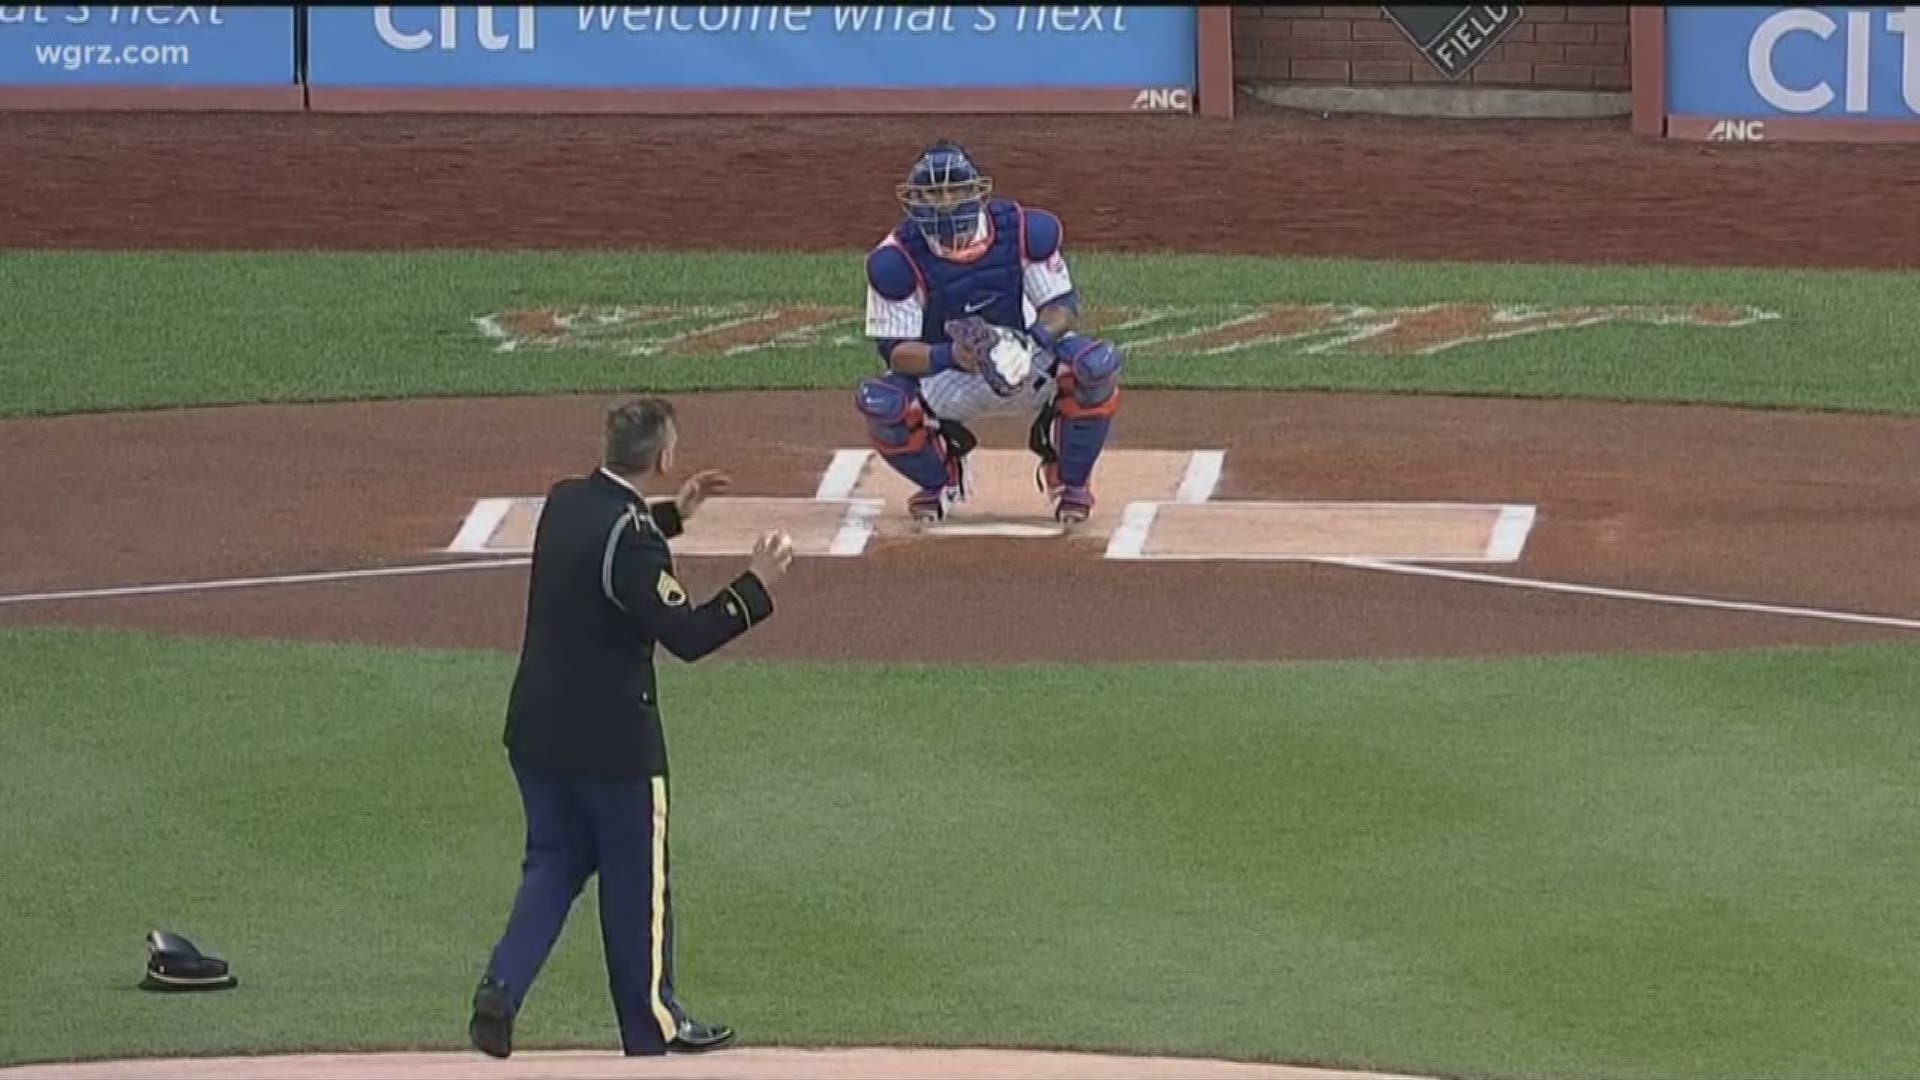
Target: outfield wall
(1735, 74)
(613, 58)
(1554, 48)
(1756, 74)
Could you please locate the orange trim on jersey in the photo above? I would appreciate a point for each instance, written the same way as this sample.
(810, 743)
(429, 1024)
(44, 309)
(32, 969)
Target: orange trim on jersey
(972, 252)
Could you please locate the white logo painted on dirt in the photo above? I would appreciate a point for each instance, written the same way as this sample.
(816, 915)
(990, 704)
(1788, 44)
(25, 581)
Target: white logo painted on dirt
(673, 330)
(1357, 330)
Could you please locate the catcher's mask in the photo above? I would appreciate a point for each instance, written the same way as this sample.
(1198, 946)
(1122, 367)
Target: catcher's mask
(945, 196)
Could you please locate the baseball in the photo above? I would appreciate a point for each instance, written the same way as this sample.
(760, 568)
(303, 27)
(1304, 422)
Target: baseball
(1012, 359)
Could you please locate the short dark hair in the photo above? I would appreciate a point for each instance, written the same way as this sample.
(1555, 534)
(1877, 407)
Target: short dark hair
(636, 431)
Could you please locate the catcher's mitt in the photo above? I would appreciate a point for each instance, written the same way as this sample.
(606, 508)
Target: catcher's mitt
(1003, 357)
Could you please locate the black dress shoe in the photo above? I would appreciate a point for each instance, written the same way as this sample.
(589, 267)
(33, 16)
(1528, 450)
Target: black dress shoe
(491, 1029)
(695, 1036)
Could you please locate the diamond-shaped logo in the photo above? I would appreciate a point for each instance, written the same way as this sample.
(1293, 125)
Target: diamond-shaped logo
(1454, 37)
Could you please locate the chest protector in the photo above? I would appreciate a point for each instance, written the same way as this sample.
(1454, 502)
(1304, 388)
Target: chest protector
(992, 286)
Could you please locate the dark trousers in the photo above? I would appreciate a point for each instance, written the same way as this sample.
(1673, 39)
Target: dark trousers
(577, 826)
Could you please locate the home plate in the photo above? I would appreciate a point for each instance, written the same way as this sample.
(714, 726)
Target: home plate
(1281, 531)
(722, 527)
(1007, 501)
(994, 528)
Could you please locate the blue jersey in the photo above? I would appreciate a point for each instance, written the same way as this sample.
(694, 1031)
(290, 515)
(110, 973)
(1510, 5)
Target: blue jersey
(919, 291)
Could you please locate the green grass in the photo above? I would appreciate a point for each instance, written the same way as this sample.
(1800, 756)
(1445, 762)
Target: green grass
(99, 331)
(1629, 866)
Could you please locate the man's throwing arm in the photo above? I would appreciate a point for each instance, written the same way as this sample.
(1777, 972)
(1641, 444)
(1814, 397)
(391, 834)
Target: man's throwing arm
(636, 575)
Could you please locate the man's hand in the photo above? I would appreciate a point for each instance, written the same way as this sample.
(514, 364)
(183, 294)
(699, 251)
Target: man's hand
(698, 487)
(771, 554)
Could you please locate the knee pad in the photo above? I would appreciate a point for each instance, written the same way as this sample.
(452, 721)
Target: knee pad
(895, 420)
(1089, 378)
(897, 428)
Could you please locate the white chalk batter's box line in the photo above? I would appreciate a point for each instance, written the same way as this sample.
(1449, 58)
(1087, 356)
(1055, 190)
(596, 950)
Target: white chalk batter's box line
(482, 522)
(849, 537)
(1130, 540)
(1507, 539)
(1196, 486)
(1509, 531)
(837, 485)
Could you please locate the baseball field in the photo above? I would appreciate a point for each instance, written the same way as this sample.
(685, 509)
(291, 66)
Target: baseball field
(1495, 655)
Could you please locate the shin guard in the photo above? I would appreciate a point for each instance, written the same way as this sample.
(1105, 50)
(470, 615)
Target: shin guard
(1089, 395)
(897, 427)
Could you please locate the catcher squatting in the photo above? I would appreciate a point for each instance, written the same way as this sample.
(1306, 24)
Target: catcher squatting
(970, 304)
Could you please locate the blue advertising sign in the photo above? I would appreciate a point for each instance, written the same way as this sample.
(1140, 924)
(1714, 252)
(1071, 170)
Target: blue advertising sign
(751, 48)
(1854, 62)
(139, 45)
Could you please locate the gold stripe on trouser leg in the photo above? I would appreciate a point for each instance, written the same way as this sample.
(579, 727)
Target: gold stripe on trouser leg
(658, 929)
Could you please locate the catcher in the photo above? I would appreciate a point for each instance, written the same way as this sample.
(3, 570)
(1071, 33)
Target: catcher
(972, 309)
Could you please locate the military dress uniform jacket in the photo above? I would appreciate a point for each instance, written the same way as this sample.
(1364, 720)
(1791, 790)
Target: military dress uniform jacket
(602, 592)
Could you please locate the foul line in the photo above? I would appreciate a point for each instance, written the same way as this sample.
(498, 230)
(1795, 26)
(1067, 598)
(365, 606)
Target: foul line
(1675, 599)
(122, 591)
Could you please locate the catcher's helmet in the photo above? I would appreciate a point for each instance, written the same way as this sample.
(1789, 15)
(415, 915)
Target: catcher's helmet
(944, 195)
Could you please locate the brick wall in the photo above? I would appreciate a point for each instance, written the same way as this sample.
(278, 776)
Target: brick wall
(1553, 48)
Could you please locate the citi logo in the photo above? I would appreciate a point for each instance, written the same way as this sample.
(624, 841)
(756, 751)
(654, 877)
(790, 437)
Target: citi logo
(486, 33)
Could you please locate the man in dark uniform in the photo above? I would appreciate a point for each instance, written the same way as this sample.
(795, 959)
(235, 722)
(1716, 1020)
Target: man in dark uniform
(583, 728)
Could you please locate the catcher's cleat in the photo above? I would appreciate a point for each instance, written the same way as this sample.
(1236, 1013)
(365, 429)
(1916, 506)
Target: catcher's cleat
(927, 506)
(930, 505)
(1072, 505)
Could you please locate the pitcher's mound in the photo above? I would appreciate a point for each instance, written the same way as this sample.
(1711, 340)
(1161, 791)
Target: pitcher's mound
(745, 1064)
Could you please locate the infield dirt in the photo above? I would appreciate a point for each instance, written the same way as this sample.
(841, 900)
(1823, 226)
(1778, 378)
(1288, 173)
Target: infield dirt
(1813, 509)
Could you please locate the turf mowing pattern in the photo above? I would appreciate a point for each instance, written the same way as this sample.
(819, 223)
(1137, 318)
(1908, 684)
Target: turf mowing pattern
(1629, 866)
(95, 331)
